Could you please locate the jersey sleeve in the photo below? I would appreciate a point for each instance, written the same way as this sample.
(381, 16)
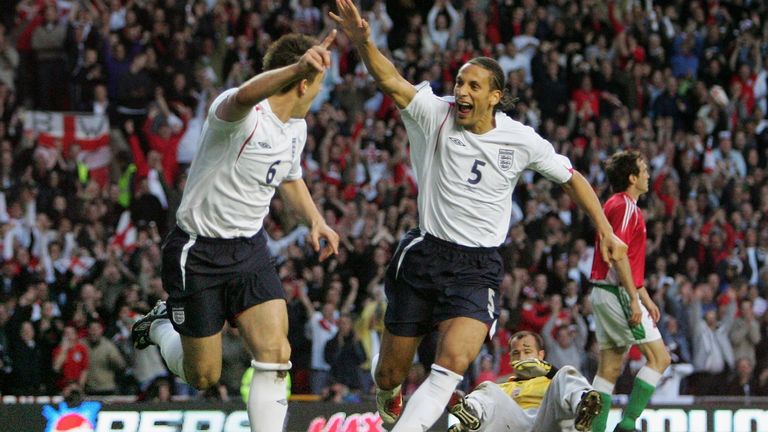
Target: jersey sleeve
(545, 161)
(215, 121)
(425, 109)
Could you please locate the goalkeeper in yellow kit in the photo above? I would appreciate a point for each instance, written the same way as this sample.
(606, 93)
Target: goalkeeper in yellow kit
(537, 397)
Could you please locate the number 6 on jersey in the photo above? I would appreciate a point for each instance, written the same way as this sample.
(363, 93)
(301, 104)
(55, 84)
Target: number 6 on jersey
(271, 172)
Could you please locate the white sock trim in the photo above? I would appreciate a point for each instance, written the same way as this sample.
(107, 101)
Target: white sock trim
(374, 365)
(261, 366)
(602, 385)
(451, 374)
(649, 375)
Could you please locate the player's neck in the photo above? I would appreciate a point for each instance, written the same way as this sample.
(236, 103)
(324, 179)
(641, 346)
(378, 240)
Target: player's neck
(282, 106)
(633, 193)
(483, 126)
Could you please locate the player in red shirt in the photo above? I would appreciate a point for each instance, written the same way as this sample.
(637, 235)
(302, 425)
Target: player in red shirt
(624, 313)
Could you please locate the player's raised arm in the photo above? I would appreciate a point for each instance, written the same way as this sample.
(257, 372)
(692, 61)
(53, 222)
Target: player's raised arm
(578, 188)
(383, 71)
(265, 84)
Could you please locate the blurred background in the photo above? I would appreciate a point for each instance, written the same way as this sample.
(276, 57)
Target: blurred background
(102, 103)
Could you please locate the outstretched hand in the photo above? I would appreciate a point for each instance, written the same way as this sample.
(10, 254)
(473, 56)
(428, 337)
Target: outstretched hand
(318, 58)
(323, 231)
(350, 21)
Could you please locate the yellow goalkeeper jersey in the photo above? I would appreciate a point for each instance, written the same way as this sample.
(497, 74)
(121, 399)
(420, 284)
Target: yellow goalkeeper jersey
(528, 393)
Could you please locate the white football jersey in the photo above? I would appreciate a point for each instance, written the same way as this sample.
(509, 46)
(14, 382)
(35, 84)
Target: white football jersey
(236, 170)
(466, 180)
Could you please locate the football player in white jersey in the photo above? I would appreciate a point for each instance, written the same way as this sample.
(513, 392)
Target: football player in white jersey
(467, 157)
(216, 265)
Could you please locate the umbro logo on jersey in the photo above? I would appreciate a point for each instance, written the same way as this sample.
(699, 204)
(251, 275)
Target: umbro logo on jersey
(264, 145)
(506, 159)
(456, 141)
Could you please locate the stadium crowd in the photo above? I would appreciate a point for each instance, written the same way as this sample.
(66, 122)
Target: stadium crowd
(684, 82)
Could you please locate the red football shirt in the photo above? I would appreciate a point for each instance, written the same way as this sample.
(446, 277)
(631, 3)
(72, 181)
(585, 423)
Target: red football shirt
(628, 224)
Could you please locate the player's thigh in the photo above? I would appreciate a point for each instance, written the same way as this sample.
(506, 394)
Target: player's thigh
(459, 342)
(264, 329)
(469, 279)
(410, 289)
(395, 358)
(199, 317)
(255, 304)
(202, 359)
(612, 325)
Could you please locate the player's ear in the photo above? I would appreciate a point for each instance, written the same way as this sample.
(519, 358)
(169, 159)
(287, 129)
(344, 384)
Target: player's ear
(302, 86)
(633, 179)
(495, 97)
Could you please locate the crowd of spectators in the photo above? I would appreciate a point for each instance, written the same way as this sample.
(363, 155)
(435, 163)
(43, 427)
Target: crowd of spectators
(684, 82)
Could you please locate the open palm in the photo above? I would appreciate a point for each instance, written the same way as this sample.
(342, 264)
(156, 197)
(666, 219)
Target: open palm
(354, 26)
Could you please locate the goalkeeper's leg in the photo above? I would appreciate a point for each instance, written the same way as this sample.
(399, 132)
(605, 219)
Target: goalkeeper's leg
(569, 396)
(494, 409)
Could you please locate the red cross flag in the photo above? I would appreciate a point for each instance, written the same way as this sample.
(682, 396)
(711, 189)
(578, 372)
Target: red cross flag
(88, 132)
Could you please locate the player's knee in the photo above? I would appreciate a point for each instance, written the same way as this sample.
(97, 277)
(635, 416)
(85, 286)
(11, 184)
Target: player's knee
(388, 376)
(203, 379)
(661, 361)
(273, 350)
(456, 362)
(611, 372)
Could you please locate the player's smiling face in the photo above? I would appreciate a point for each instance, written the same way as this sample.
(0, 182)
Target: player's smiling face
(474, 98)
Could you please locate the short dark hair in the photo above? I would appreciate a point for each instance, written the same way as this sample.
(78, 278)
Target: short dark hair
(620, 166)
(286, 51)
(497, 80)
(522, 334)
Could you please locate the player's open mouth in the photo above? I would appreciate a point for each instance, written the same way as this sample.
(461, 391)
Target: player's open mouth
(463, 108)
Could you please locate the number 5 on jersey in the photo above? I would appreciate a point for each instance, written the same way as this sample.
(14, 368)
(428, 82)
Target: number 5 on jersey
(476, 172)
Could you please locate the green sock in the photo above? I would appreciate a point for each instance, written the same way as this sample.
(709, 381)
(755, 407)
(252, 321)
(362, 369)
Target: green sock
(599, 423)
(638, 400)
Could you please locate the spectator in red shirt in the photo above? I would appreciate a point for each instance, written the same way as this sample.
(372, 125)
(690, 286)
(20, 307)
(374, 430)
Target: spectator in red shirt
(487, 372)
(70, 359)
(586, 99)
(169, 132)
